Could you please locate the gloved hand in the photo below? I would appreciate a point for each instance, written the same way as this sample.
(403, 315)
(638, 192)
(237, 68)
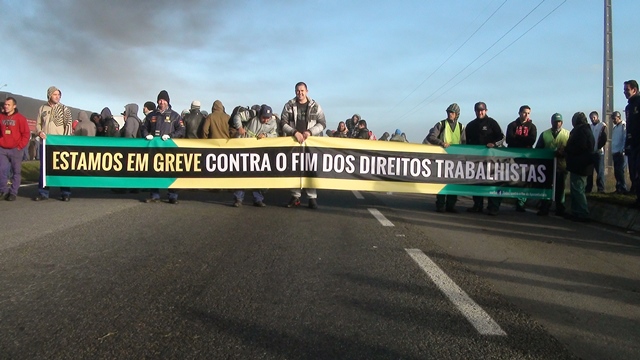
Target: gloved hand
(149, 137)
(165, 137)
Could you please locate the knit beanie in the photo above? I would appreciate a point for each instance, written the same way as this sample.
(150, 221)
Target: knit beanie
(164, 95)
(150, 105)
(454, 108)
(51, 90)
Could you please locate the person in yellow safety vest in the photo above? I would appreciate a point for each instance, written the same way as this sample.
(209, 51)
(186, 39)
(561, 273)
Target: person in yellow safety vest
(446, 133)
(555, 138)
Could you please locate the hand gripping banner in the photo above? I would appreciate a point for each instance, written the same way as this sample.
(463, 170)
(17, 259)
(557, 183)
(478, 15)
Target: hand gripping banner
(322, 163)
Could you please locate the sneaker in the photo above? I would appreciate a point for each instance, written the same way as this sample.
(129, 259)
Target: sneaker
(313, 204)
(173, 201)
(10, 197)
(493, 212)
(237, 203)
(294, 202)
(151, 200)
(452, 210)
(65, 198)
(259, 204)
(40, 198)
(474, 209)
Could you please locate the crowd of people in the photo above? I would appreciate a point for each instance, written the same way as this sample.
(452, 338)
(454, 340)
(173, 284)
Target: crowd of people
(579, 152)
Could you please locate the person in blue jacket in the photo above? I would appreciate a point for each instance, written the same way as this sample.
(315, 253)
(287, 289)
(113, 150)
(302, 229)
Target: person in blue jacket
(165, 123)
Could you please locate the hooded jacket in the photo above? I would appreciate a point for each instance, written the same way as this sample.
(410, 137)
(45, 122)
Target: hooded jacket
(521, 134)
(255, 127)
(352, 127)
(14, 131)
(85, 126)
(131, 128)
(54, 120)
(216, 125)
(315, 117)
(111, 126)
(579, 149)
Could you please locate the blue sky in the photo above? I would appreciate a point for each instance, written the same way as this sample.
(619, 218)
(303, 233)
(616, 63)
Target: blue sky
(398, 64)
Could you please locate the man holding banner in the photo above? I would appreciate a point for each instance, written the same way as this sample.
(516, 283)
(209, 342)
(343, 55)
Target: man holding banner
(164, 123)
(263, 125)
(446, 133)
(53, 119)
(484, 131)
(302, 117)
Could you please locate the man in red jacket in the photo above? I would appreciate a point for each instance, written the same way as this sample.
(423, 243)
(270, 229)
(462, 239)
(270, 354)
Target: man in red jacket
(14, 136)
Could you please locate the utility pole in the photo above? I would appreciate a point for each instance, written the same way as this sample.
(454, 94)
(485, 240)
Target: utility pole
(607, 93)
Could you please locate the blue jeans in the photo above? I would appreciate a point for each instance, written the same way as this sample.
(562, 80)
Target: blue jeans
(257, 195)
(155, 194)
(10, 162)
(619, 166)
(598, 167)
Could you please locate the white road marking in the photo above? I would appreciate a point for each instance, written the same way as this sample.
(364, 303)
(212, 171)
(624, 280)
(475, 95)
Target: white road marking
(378, 215)
(483, 323)
(357, 194)
(23, 185)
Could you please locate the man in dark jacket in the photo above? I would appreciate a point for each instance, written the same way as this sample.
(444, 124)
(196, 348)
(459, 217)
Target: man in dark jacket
(522, 134)
(194, 122)
(111, 126)
(352, 125)
(97, 120)
(164, 123)
(362, 131)
(484, 131)
(579, 154)
(632, 145)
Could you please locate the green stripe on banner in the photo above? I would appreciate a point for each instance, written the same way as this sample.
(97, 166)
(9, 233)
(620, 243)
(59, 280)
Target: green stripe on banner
(496, 191)
(110, 182)
(501, 152)
(157, 142)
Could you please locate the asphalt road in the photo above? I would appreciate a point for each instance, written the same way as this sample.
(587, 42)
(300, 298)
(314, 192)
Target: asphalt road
(106, 276)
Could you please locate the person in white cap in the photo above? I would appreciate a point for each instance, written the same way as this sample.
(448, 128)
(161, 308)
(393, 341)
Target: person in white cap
(194, 121)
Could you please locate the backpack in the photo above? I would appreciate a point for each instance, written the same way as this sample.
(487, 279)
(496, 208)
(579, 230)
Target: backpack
(235, 112)
(112, 128)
